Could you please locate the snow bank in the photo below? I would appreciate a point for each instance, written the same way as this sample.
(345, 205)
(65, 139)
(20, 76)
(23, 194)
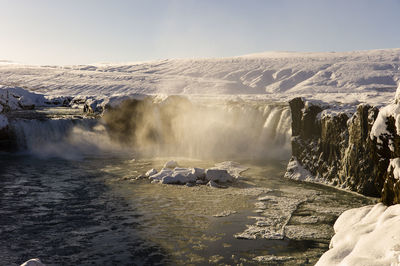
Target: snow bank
(368, 235)
(16, 98)
(363, 76)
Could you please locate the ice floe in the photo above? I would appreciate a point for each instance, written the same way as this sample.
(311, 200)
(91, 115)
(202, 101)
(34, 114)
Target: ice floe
(274, 213)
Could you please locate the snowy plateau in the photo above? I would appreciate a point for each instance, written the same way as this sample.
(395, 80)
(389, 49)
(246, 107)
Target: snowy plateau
(338, 83)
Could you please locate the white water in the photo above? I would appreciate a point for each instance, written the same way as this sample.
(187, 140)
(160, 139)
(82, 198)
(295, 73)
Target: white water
(63, 138)
(173, 127)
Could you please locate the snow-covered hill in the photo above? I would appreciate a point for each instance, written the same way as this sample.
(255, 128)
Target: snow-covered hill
(350, 77)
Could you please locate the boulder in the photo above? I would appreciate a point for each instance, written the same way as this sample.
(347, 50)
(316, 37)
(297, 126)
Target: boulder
(218, 175)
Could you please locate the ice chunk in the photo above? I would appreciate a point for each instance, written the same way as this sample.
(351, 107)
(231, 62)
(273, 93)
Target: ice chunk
(233, 168)
(163, 173)
(151, 172)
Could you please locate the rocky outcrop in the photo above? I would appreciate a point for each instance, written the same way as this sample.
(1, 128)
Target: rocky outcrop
(352, 151)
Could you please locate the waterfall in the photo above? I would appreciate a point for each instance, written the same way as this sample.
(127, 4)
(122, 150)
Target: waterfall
(176, 127)
(203, 129)
(63, 138)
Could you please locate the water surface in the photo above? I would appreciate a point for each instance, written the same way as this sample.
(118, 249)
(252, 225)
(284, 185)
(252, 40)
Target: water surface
(91, 212)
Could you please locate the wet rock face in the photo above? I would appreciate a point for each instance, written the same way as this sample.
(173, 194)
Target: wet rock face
(6, 139)
(338, 148)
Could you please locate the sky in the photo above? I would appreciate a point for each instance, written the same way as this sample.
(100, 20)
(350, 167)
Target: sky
(91, 31)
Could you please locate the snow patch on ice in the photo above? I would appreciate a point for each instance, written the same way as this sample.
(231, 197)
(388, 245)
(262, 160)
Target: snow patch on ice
(274, 215)
(368, 235)
(224, 213)
(272, 258)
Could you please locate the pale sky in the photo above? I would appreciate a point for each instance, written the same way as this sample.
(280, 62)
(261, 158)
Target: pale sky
(90, 31)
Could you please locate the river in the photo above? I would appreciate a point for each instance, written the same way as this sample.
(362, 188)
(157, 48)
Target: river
(89, 211)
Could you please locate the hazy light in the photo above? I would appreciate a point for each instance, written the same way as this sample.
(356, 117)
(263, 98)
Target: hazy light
(73, 32)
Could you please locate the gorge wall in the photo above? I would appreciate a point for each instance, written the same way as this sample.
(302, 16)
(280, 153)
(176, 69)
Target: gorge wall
(356, 151)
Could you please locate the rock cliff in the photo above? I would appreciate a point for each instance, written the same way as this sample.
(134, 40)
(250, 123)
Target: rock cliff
(356, 151)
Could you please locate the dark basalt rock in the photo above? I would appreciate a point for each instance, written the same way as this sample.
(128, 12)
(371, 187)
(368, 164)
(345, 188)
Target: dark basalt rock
(7, 141)
(338, 148)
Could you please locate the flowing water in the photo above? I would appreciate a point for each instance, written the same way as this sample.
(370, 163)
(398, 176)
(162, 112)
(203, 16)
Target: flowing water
(68, 196)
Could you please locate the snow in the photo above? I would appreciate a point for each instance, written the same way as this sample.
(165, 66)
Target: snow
(391, 110)
(274, 213)
(345, 77)
(151, 172)
(296, 171)
(368, 235)
(395, 165)
(171, 174)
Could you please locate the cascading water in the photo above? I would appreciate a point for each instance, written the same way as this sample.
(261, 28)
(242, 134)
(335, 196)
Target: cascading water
(177, 127)
(63, 138)
(220, 130)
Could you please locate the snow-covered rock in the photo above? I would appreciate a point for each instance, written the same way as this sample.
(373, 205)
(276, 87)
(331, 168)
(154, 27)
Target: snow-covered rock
(296, 171)
(160, 175)
(368, 235)
(17, 98)
(195, 175)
